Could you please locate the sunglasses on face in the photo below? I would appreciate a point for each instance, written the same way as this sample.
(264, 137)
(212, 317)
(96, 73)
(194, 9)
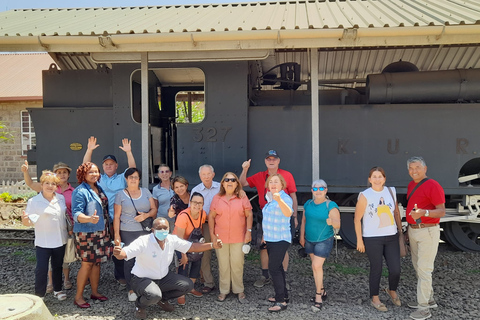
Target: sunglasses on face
(229, 180)
(319, 189)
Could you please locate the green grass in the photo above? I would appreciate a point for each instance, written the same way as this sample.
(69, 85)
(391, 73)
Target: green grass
(14, 244)
(348, 269)
(26, 254)
(474, 271)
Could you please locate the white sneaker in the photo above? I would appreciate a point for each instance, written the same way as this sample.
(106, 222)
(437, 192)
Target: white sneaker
(132, 297)
(414, 304)
(60, 295)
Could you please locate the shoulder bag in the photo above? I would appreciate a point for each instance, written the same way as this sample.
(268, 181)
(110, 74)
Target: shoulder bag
(195, 237)
(148, 222)
(404, 248)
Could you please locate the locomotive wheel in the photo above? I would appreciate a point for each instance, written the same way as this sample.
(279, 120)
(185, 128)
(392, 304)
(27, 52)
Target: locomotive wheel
(464, 236)
(347, 228)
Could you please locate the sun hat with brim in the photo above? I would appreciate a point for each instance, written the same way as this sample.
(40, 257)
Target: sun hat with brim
(61, 165)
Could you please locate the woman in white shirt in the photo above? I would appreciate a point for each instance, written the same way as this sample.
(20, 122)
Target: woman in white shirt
(378, 235)
(46, 211)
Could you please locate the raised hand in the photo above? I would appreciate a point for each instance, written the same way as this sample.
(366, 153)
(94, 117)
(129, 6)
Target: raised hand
(92, 143)
(126, 145)
(24, 167)
(246, 164)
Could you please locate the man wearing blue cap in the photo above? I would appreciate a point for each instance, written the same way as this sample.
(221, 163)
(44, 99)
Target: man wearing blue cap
(111, 183)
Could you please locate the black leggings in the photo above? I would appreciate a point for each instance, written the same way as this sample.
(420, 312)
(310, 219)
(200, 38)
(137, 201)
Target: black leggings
(276, 254)
(377, 248)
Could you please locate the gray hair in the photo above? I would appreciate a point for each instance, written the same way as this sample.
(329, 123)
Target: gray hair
(416, 159)
(205, 166)
(319, 183)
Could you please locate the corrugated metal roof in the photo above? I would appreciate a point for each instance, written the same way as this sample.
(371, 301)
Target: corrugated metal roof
(21, 76)
(285, 15)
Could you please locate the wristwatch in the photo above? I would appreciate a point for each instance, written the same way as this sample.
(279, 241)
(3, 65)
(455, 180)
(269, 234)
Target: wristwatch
(427, 213)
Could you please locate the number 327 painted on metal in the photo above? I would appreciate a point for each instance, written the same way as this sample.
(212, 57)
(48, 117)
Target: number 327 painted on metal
(210, 134)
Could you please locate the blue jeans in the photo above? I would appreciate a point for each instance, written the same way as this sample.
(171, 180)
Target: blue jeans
(41, 270)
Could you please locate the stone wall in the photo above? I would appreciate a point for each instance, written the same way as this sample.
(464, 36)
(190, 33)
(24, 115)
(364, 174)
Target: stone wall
(11, 158)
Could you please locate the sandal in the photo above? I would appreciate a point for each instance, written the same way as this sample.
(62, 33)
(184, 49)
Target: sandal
(277, 307)
(379, 307)
(67, 285)
(396, 301)
(324, 295)
(206, 290)
(221, 297)
(49, 288)
(242, 298)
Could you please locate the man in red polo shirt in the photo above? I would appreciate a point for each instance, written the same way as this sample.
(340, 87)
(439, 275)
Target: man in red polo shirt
(272, 161)
(425, 207)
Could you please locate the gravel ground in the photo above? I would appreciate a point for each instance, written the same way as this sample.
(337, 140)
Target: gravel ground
(456, 284)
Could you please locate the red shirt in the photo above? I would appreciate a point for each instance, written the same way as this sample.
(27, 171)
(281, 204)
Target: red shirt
(67, 194)
(258, 181)
(429, 195)
(230, 220)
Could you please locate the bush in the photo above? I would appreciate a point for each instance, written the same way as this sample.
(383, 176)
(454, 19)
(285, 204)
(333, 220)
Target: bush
(23, 197)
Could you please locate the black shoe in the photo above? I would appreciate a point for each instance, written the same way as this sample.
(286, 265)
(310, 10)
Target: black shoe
(278, 304)
(140, 313)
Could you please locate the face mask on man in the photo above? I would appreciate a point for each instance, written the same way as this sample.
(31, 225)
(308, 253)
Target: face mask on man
(161, 234)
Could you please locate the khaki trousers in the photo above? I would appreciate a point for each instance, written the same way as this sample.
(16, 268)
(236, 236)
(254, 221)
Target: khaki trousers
(206, 260)
(230, 267)
(424, 247)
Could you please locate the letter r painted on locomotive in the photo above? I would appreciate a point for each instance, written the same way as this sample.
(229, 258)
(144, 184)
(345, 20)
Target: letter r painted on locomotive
(462, 145)
(342, 146)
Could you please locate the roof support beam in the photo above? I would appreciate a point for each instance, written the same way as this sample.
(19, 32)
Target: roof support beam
(248, 40)
(145, 119)
(315, 114)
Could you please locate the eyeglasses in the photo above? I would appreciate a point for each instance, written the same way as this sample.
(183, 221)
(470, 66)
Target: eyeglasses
(229, 180)
(196, 203)
(164, 171)
(133, 178)
(319, 188)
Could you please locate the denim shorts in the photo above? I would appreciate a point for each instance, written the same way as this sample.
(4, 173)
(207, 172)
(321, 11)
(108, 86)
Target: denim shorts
(320, 249)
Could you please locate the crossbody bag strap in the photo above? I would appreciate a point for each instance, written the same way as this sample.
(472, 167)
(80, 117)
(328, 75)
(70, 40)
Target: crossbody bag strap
(188, 216)
(132, 202)
(415, 189)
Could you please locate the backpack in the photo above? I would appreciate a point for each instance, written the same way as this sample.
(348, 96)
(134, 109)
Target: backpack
(195, 237)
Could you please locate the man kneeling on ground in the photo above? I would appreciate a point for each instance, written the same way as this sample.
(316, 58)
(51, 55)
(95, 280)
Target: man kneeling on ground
(151, 279)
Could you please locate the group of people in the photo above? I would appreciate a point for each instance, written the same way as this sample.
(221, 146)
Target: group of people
(108, 212)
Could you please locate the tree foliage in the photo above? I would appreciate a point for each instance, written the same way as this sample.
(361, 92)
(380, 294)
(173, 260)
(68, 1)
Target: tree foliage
(5, 135)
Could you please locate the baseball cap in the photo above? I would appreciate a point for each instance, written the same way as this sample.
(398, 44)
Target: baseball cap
(271, 153)
(109, 157)
(61, 165)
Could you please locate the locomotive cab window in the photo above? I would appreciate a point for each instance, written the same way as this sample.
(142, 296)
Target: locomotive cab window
(175, 95)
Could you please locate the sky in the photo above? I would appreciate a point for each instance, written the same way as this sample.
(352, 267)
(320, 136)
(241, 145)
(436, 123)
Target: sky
(32, 4)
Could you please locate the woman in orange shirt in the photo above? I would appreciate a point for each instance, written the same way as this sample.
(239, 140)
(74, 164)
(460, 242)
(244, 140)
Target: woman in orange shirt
(189, 219)
(230, 219)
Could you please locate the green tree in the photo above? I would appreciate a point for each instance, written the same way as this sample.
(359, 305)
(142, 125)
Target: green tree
(5, 135)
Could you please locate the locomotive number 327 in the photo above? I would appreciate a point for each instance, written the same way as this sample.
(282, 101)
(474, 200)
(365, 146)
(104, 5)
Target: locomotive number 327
(210, 134)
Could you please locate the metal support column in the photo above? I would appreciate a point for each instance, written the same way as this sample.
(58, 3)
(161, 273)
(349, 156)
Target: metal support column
(145, 119)
(315, 114)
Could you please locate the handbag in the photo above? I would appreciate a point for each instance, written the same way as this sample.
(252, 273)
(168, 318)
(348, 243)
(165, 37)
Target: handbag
(404, 248)
(70, 251)
(148, 222)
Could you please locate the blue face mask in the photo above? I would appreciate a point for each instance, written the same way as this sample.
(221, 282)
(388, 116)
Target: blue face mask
(161, 234)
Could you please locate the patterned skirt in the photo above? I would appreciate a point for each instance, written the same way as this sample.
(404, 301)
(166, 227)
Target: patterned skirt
(94, 247)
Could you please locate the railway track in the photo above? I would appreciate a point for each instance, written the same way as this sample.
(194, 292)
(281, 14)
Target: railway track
(16, 235)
